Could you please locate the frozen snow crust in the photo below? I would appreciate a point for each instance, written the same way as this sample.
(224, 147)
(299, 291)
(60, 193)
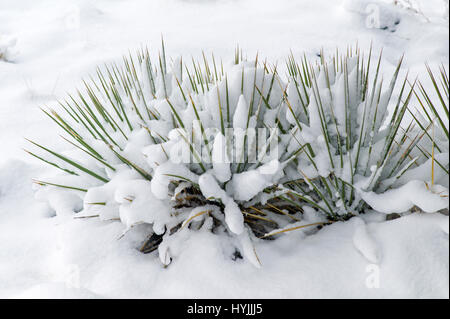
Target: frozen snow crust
(237, 149)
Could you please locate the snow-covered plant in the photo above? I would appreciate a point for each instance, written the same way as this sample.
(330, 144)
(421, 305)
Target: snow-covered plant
(431, 120)
(231, 148)
(176, 147)
(353, 145)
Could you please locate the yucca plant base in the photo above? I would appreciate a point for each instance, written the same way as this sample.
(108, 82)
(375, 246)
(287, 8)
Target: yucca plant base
(241, 150)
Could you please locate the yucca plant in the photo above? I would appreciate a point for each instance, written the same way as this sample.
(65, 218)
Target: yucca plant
(353, 145)
(232, 148)
(430, 119)
(128, 123)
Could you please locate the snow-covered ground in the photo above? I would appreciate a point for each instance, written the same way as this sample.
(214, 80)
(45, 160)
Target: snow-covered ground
(48, 46)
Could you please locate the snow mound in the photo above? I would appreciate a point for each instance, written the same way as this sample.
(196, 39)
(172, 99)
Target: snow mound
(415, 193)
(7, 48)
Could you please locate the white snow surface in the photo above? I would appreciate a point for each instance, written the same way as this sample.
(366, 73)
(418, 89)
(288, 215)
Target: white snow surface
(429, 198)
(48, 46)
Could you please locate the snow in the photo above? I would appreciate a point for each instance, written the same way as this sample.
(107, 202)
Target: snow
(248, 184)
(56, 291)
(7, 51)
(220, 158)
(47, 47)
(240, 114)
(233, 216)
(430, 198)
(136, 200)
(164, 173)
(364, 242)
